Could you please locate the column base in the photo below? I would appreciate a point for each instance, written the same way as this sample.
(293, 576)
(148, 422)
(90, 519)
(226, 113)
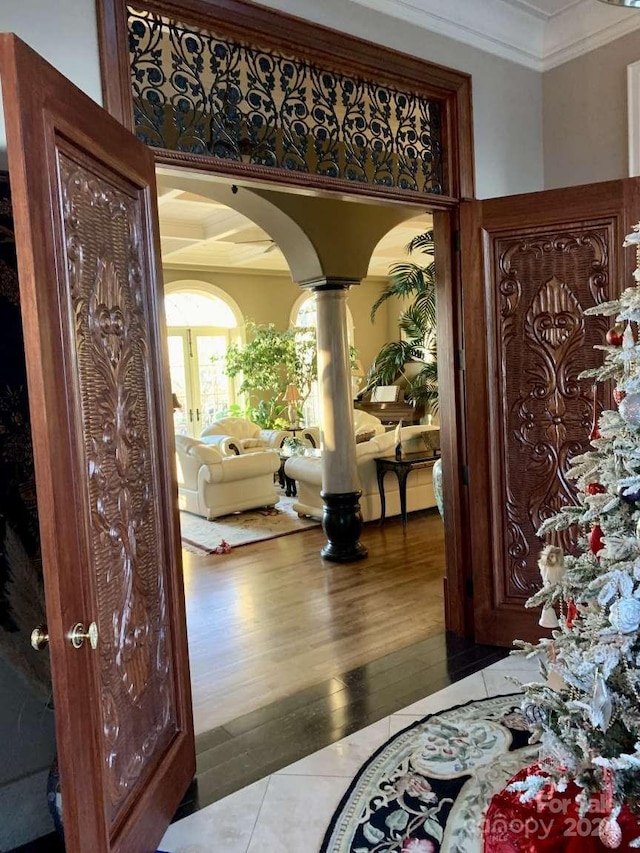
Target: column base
(342, 523)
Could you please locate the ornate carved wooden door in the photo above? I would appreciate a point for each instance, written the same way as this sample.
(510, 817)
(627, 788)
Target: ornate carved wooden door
(530, 265)
(85, 219)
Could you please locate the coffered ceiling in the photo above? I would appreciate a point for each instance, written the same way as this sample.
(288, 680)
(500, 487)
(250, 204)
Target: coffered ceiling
(537, 33)
(200, 234)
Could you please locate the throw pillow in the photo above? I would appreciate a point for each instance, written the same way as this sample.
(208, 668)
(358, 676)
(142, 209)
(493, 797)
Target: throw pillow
(248, 443)
(365, 435)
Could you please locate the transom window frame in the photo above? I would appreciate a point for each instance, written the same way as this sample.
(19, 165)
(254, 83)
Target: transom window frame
(328, 49)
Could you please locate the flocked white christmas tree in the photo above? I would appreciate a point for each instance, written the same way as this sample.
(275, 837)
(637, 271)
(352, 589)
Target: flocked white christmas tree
(587, 714)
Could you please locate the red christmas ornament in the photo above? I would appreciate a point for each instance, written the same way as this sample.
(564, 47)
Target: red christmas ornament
(614, 336)
(596, 543)
(595, 489)
(619, 395)
(572, 612)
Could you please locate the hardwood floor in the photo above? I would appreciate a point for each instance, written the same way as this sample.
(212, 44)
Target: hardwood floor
(269, 620)
(264, 741)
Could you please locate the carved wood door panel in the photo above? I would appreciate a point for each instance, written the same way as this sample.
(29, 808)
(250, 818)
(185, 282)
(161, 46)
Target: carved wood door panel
(87, 242)
(531, 266)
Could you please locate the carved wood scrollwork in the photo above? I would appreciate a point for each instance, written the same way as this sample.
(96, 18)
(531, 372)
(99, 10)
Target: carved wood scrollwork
(109, 348)
(542, 411)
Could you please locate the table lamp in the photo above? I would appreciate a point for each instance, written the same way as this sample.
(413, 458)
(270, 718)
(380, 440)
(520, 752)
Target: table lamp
(291, 396)
(357, 375)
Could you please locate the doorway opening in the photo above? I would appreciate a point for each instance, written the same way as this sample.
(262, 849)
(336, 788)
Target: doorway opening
(279, 637)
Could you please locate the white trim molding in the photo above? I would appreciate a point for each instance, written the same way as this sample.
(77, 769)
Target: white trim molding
(518, 30)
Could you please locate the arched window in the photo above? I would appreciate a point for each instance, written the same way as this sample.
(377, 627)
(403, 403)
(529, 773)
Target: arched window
(201, 323)
(304, 314)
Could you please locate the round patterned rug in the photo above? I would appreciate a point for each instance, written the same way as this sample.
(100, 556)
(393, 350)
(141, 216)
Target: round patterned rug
(426, 790)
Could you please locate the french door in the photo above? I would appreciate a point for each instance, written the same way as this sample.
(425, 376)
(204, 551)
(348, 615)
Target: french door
(198, 377)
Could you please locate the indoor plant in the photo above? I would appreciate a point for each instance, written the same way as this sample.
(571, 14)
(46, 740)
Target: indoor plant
(271, 360)
(417, 345)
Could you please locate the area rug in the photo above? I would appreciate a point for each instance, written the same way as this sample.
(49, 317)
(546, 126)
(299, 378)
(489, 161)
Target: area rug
(205, 537)
(427, 788)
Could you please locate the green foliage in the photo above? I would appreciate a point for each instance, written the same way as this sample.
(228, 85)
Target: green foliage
(418, 325)
(269, 361)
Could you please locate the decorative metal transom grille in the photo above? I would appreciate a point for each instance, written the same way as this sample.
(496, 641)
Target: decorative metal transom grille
(200, 92)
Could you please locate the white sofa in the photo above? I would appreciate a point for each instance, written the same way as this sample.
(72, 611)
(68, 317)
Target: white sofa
(307, 472)
(212, 484)
(364, 426)
(234, 436)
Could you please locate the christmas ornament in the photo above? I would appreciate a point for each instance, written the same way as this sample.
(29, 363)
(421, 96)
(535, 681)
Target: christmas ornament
(628, 341)
(619, 395)
(596, 543)
(572, 612)
(629, 498)
(555, 681)
(614, 336)
(629, 409)
(534, 714)
(610, 833)
(548, 618)
(601, 706)
(595, 432)
(595, 489)
(551, 564)
(625, 615)
(607, 787)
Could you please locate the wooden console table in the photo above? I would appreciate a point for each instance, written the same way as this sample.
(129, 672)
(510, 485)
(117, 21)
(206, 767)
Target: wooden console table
(401, 467)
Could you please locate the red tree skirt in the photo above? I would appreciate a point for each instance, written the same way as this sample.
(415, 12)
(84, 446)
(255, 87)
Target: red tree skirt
(549, 823)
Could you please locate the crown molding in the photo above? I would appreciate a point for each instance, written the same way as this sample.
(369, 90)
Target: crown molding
(515, 29)
(494, 26)
(583, 28)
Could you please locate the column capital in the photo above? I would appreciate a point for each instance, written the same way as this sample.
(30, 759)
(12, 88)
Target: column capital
(328, 283)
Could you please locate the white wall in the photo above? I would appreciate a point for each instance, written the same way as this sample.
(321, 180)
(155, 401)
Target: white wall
(585, 115)
(507, 97)
(64, 32)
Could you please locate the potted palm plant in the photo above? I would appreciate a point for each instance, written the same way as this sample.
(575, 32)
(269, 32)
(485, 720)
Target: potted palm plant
(413, 357)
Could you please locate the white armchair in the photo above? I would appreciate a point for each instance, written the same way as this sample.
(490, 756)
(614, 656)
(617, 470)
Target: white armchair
(212, 484)
(234, 436)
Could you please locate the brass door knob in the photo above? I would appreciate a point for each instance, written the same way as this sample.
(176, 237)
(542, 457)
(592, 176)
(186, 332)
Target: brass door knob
(78, 635)
(39, 638)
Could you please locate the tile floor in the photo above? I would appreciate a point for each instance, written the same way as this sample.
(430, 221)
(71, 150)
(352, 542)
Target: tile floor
(289, 811)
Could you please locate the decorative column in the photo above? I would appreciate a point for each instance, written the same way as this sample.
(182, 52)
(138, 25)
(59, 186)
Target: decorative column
(342, 519)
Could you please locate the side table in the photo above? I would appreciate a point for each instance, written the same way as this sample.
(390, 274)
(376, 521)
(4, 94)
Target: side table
(286, 483)
(401, 466)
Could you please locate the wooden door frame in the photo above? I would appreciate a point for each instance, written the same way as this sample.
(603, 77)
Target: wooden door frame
(349, 55)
